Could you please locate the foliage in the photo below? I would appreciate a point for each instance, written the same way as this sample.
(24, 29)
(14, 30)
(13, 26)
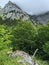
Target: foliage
(46, 47)
(23, 35)
(4, 37)
(42, 38)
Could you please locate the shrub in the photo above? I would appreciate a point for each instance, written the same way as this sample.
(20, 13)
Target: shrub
(24, 36)
(46, 47)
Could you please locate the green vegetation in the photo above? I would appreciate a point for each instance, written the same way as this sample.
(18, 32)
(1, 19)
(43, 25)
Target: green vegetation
(23, 35)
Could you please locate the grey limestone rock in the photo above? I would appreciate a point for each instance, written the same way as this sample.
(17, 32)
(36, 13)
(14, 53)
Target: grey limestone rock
(26, 57)
(11, 10)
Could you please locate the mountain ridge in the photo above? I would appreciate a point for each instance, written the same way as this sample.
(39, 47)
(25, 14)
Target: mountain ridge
(43, 18)
(13, 11)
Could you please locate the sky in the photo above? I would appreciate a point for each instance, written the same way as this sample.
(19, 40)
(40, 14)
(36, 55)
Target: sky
(30, 6)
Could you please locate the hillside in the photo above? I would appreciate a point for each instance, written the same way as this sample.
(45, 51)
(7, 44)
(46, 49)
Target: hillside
(25, 36)
(22, 42)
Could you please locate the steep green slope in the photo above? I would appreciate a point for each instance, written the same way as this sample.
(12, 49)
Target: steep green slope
(23, 35)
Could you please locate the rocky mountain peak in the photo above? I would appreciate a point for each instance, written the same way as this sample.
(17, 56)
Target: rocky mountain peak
(10, 7)
(9, 2)
(13, 11)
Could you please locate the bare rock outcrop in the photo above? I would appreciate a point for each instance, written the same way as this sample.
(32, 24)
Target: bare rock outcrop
(26, 57)
(11, 10)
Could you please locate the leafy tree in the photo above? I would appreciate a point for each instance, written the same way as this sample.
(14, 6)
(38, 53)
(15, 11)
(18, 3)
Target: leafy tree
(24, 36)
(4, 37)
(46, 47)
(43, 35)
(42, 38)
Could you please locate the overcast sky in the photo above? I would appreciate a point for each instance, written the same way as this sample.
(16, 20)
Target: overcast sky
(30, 6)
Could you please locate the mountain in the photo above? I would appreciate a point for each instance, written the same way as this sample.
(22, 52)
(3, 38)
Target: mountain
(42, 18)
(11, 10)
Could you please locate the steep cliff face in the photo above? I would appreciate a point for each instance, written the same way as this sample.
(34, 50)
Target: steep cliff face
(12, 11)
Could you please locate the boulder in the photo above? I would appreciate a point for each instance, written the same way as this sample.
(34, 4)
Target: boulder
(26, 57)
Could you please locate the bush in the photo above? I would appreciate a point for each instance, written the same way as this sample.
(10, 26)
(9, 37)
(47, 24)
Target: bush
(46, 47)
(24, 36)
(4, 37)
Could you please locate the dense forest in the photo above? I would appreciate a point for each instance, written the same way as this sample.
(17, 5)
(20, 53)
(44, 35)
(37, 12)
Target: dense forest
(23, 35)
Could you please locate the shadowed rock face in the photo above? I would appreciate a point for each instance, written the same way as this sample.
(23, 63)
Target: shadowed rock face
(12, 11)
(42, 18)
